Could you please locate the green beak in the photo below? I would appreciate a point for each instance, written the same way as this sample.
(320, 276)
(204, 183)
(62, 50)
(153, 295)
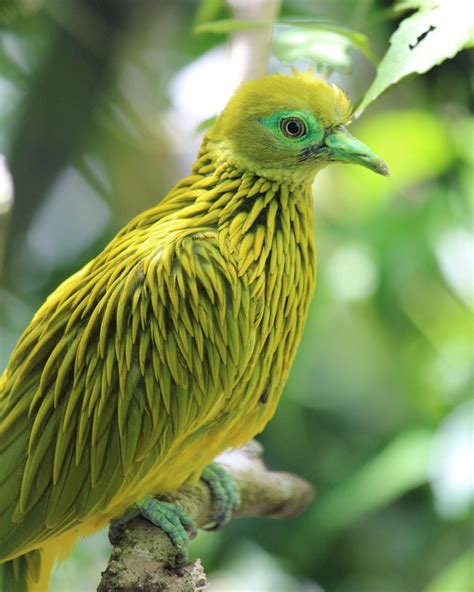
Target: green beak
(342, 147)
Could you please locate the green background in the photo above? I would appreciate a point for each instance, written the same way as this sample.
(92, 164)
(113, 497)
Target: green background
(377, 412)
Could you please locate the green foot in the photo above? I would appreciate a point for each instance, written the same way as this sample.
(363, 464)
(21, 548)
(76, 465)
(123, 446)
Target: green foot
(173, 521)
(169, 517)
(225, 495)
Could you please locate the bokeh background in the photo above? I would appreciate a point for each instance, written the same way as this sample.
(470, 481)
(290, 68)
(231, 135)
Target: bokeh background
(100, 104)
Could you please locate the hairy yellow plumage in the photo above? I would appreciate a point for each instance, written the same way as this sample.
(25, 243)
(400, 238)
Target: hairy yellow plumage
(175, 342)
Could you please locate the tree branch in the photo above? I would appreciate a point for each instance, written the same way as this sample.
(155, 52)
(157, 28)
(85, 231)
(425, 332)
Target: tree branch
(250, 48)
(143, 557)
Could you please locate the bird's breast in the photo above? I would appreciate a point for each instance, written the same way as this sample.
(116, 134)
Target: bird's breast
(277, 262)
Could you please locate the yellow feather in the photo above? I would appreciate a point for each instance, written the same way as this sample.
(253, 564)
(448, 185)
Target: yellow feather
(147, 363)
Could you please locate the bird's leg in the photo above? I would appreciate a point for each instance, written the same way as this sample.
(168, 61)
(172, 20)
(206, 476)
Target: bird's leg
(225, 495)
(172, 520)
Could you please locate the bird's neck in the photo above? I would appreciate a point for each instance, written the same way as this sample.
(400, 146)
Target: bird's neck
(251, 211)
(264, 222)
(254, 214)
(222, 190)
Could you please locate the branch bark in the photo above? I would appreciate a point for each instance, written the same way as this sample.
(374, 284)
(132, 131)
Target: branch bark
(143, 559)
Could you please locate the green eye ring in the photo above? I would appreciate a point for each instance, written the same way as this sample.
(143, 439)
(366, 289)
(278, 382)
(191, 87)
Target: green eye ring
(293, 127)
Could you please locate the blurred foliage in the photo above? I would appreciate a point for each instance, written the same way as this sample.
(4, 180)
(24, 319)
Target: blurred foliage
(99, 106)
(328, 49)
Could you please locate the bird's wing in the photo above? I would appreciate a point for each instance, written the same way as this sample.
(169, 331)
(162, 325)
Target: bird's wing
(140, 348)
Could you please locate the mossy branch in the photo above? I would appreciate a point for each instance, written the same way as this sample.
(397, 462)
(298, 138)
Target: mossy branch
(143, 558)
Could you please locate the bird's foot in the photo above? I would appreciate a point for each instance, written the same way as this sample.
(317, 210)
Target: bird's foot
(225, 495)
(179, 527)
(172, 520)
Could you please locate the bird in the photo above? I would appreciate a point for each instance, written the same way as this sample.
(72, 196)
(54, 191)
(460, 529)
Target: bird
(175, 342)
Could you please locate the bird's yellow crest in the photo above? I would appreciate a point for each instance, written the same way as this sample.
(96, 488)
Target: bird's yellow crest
(301, 91)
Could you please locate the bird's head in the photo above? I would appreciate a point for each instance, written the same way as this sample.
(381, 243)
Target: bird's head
(284, 125)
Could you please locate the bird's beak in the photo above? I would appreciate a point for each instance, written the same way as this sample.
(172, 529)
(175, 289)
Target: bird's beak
(342, 147)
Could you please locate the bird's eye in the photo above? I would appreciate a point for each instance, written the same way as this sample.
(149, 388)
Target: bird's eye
(292, 127)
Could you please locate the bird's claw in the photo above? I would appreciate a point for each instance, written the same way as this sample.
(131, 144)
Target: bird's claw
(179, 527)
(169, 517)
(225, 495)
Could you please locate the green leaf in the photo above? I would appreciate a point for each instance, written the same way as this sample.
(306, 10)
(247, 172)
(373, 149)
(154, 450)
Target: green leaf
(356, 38)
(206, 124)
(325, 44)
(207, 11)
(334, 40)
(438, 31)
(229, 26)
(323, 48)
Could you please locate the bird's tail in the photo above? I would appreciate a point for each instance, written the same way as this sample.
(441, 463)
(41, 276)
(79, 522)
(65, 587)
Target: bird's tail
(27, 573)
